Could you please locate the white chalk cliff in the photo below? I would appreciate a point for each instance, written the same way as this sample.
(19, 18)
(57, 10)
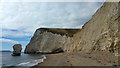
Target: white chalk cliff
(101, 33)
(48, 40)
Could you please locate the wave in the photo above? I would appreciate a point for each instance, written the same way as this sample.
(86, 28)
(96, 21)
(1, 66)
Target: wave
(34, 62)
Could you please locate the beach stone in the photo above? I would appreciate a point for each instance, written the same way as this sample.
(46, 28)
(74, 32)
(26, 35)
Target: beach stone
(17, 50)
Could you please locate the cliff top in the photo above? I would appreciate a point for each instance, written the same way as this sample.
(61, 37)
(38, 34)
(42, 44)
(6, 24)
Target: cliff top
(61, 31)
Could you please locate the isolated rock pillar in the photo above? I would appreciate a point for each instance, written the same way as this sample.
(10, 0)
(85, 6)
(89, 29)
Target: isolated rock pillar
(17, 50)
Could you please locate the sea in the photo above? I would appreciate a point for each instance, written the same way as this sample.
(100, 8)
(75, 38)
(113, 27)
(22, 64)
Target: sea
(23, 60)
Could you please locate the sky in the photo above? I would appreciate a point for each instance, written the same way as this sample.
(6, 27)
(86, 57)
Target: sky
(19, 20)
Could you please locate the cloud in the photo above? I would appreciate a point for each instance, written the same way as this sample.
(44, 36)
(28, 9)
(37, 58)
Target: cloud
(0, 31)
(15, 33)
(57, 0)
(27, 17)
(8, 40)
(18, 21)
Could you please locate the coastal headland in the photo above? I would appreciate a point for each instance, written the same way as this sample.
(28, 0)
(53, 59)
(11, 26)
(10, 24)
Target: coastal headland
(95, 44)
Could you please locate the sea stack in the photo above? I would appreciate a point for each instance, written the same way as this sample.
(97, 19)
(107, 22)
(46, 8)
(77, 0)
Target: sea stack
(17, 50)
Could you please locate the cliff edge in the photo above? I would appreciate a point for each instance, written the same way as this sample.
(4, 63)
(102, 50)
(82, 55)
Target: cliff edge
(49, 40)
(101, 33)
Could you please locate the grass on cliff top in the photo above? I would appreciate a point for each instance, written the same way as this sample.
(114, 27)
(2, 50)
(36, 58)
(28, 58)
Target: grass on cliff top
(62, 31)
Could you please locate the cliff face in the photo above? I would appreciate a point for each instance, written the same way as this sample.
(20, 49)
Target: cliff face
(99, 34)
(48, 40)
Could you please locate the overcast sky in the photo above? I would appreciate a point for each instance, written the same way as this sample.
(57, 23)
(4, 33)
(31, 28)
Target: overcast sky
(20, 20)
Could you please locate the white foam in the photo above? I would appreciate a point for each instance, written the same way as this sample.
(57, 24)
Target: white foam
(34, 62)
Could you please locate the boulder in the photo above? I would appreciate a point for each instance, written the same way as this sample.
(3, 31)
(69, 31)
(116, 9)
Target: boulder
(17, 50)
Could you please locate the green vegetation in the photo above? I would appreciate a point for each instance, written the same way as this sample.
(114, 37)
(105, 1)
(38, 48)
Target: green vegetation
(62, 31)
